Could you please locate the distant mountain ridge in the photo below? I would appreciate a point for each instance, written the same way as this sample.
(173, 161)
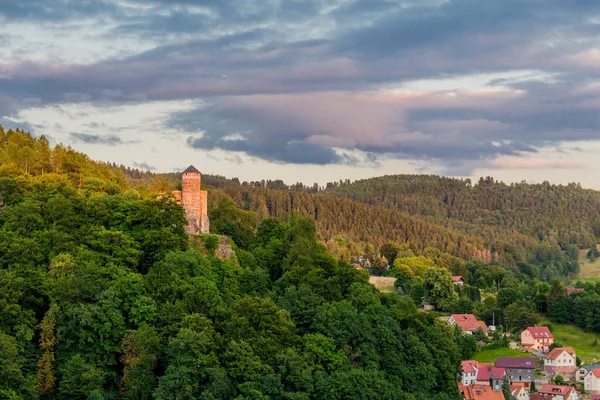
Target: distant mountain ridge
(454, 215)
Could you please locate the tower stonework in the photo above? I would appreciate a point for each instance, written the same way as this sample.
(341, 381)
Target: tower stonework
(194, 202)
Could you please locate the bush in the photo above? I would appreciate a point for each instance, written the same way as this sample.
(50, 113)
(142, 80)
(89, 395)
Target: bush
(211, 243)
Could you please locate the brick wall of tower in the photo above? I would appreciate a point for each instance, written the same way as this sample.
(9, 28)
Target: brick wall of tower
(204, 224)
(191, 201)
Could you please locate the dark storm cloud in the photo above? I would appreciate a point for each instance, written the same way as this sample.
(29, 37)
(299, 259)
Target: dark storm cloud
(282, 151)
(144, 165)
(285, 78)
(87, 138)
(223, 130)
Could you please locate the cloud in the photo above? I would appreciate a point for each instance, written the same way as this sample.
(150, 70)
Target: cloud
(316, 127)
(144, 165)
(87, 138)
(320, 81)
(529, 164)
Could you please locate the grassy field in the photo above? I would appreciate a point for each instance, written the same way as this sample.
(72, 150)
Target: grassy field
(383, 283)
(490, 355)
(580, 340)
(589, 271)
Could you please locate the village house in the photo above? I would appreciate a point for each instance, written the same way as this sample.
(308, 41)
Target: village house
(540, 396)
(556, 392)
(458, 280)
(481, 392)
(469, 372)
(583, 370)
(519, 393)
(561, 361)
(467, 323)
(537, 338)
(481, 374)
(591, 382)
(572, 289)
(519, 370)
(488, 373)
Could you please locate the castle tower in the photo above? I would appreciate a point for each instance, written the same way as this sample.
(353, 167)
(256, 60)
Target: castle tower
(194, 202)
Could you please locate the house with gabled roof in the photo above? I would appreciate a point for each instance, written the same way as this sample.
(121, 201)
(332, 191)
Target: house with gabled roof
(519, 393)
(537, 338)
(572, 289)
(561, 361)
(591, 382)
(474, 372)
(559, 392)
(469, 372)
(467, 323)
(583, 370)
(481, 392)
(540, 396)
(488, 373)
(520, 371)
(458, 280)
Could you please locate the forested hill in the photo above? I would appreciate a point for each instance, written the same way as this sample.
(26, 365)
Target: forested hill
(557, 214)
(102, 296)
(515, 222)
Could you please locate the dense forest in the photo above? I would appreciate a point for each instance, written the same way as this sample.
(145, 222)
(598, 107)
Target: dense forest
(102, 296)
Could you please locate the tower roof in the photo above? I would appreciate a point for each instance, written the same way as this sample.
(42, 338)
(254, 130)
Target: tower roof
(191, 168)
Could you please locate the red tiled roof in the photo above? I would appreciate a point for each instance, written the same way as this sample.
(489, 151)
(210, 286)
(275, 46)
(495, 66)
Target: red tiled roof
(515, 362)
(596, 372)
(485, 372)
(556, 352)
(540, 396)
(457, 278)
(480, 392)
(556, 389)
(540, 332)
(571, 290)
(469, 365)
(468, 322)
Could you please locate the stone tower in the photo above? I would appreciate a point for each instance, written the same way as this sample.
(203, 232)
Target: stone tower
(194, 202)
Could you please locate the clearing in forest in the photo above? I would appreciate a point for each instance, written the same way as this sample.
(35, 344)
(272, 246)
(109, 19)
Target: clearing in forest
(586, 344)
(383, 283)
(490, 355)
(589, 270)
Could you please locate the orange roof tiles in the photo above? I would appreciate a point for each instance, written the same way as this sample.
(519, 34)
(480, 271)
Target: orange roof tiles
(555, 353)
(480, 392)
(468, 322)
(540, 332)
(565, 391)
(469, 365)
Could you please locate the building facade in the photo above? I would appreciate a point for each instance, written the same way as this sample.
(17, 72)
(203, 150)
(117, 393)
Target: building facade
(561, 361)
(519, 370)
(582, 372)
(537, 338)
(559, 392)
(467, 323)
(194, 201)
(591, 382)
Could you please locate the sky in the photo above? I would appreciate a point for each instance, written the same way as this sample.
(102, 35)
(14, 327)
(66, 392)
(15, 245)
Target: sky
(312, 90)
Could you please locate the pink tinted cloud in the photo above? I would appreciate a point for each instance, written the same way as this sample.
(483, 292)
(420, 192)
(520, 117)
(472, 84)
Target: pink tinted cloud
(530, 164)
